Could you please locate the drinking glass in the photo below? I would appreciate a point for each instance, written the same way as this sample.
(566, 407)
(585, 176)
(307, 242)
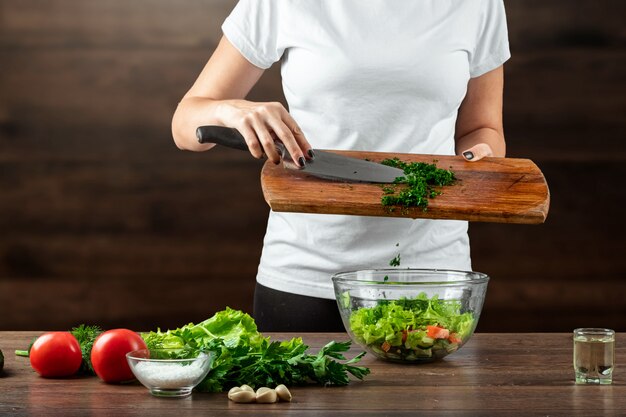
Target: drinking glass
(594, 355)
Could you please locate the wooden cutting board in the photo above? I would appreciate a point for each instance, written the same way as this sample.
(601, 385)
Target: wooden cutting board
(503, 190)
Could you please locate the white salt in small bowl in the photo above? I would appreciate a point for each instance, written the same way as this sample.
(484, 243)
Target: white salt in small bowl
(167, 377)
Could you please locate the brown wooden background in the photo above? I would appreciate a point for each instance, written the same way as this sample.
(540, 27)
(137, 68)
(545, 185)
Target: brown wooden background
(103, 220)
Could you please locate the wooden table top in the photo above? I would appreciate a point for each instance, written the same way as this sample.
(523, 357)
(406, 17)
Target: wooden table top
(499, 374)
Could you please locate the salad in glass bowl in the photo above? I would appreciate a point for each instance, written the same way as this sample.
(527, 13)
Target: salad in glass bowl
(410, 315)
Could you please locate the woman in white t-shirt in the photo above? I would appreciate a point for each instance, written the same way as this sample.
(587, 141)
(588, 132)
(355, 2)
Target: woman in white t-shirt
(408, 77)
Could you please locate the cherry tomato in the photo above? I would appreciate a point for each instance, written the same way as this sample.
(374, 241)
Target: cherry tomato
(56, 354)
(108, 355)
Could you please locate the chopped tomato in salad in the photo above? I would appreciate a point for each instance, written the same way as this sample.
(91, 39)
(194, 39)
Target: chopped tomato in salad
(436, 332)
(454, 338)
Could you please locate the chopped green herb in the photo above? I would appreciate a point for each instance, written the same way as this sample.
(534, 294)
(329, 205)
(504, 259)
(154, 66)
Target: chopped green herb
(386, 278)
(395, 261)
(417, 185)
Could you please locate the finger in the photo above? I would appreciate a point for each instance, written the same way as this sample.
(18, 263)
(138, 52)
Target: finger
(285, 135)
(267, 142)
(298, 135)
(477, 152)
(252, 141)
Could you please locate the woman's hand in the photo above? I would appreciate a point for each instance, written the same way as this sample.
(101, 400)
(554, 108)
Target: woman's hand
(217, 98)
(262, 123)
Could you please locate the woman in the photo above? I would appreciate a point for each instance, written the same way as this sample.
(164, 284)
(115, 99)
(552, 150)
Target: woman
(424, 77)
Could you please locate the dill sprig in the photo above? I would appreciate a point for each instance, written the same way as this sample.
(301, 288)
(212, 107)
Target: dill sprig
(86, 335)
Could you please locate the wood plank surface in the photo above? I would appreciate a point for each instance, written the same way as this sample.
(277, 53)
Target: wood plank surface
(504, 190)
(97, 203)
(502, 374)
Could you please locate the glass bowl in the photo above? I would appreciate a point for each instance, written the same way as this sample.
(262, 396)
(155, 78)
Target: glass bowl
(169, 372)
(410, 315)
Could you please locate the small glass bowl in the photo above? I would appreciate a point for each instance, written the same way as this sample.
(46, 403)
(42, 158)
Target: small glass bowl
(165, 375)
(402, 295)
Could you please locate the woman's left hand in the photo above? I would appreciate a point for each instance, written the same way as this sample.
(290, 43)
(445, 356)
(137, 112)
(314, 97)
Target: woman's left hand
(479, 131)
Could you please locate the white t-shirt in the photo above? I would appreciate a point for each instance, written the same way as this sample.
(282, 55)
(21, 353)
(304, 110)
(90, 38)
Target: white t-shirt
(374, 76)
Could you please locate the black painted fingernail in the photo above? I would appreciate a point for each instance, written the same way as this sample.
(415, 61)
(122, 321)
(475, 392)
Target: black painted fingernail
(311, 154)
(468, 155)
(301, 161)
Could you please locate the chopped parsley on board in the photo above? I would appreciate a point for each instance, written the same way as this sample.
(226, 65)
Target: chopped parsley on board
(417, 185)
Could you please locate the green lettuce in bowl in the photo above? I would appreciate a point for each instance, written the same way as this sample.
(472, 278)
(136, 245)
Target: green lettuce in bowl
(410, 315)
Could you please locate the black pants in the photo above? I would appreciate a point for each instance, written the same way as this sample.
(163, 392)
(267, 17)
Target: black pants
(278, 311)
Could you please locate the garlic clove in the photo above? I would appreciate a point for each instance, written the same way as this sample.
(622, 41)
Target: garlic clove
(242, 396)
(245, 387)
(283, 393)
(233, 390)
(266, 395)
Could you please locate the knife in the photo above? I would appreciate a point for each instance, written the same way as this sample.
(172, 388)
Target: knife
(324, 164)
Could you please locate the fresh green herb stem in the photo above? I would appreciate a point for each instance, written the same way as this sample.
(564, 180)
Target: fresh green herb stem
(23, 353)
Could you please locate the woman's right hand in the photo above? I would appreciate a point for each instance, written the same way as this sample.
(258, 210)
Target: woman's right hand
(261, 124)
(217, 98)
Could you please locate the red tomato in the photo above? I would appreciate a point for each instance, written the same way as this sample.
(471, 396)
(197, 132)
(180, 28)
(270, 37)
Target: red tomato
(56, 354)
(436, 332)
(108, 355)
(454, 338)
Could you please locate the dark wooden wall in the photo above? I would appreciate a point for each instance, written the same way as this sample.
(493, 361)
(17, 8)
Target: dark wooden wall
(103, 220)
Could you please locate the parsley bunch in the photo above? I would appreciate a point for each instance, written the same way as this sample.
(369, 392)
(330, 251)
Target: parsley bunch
(420, 179)
(244, 356)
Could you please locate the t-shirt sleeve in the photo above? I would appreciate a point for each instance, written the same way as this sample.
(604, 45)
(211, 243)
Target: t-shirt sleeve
(252, 28)
(492, 42)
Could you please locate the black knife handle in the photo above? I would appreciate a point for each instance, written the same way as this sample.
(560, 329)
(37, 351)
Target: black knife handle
(230, 137)
(221, 135)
